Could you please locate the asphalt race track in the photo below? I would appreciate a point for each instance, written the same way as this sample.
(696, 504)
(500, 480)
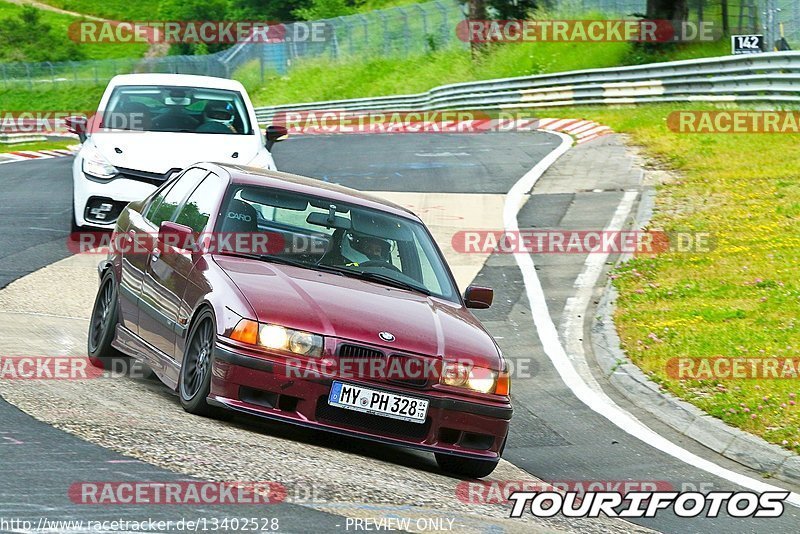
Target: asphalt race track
(554, 435)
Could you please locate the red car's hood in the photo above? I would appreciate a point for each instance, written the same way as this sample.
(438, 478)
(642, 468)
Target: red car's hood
(349, 308)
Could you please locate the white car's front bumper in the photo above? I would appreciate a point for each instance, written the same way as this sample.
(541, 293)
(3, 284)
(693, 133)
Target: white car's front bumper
(98, 203)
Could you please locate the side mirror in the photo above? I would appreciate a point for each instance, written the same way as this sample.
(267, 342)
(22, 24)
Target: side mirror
(76, 124)
(176, 235)
(275, 133)
(478, 297)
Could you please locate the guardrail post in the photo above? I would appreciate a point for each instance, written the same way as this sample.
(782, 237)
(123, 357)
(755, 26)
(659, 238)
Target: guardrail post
(30, 79)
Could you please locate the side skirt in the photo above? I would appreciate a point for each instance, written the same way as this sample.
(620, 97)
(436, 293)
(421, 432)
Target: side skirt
(165, 368)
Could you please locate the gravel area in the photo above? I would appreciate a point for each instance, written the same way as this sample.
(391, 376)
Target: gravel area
(46, 313)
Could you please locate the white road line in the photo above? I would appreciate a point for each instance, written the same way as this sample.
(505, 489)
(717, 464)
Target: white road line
(597, 401)
(577, 306)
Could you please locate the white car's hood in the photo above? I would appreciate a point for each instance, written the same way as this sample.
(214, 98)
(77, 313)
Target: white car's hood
(159, 152)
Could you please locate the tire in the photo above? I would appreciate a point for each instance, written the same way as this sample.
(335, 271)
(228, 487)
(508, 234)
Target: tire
(465, 467)
(73, 227)
(103, 324)
(194, 381)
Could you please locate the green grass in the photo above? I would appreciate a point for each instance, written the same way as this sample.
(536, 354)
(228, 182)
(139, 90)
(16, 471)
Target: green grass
(111, 9)
(60, 25)
(148, 9)
(372, 5)
(742, 299)
(61, 97)
(319, 79)
(39, 145)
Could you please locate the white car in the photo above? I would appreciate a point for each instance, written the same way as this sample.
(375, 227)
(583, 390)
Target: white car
(149, 127)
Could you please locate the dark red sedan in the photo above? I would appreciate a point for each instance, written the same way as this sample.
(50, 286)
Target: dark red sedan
(293, 299)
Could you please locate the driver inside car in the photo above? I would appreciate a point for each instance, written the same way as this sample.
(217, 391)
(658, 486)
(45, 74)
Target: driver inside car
(374, 248)
(218, 117)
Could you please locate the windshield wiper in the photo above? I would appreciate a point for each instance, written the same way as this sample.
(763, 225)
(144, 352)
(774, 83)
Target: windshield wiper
(372, 277)
(302, 265)
(279, 259)
(386, 280)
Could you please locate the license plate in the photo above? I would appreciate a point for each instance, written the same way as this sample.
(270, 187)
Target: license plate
(378, 402)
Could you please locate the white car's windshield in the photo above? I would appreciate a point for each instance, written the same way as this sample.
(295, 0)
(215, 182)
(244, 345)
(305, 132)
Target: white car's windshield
(154, 108)
(323, 234)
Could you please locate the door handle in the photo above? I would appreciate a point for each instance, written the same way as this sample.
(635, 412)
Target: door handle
(156, 254)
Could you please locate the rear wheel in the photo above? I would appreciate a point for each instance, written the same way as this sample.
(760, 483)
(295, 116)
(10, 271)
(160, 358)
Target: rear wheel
(194, 383)
(103, 324)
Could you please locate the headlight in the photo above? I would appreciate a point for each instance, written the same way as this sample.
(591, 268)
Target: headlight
(467, 376)
(273, 336)
(94, 164)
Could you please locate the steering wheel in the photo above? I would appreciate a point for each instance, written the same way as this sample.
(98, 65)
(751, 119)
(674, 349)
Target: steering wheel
(378, 263)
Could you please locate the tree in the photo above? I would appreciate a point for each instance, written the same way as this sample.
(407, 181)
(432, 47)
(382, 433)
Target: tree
(512, 9)
(726, 30)
(667, 10)
(193, 10)
(26, 37)
(266, 10)
(326, 9)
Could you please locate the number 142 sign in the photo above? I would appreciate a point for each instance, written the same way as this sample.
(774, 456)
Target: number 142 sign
(747, 44)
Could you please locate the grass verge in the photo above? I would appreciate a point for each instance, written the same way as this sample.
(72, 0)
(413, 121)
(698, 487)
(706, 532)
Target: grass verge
(38, 145)
(60, 25)
(52, 97)
(742, 299)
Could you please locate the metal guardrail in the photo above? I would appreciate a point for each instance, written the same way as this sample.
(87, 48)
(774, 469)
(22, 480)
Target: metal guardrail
(772, 77)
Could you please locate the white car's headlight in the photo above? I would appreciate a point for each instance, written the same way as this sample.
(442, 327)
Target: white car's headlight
(94, 164)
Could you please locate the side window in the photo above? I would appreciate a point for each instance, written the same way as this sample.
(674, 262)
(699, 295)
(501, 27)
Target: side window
(429, 278)
(166, 209)
(156, 202)
(197, 210)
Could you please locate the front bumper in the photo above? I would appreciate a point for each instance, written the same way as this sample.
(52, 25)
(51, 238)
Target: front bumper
(116, 193)
(264, 388)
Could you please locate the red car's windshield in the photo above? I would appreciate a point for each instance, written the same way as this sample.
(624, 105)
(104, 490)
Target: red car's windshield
(320, 233)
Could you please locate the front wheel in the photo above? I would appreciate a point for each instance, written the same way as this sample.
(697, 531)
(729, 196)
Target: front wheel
(465, 467)
(104, 324)
(194, 383)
